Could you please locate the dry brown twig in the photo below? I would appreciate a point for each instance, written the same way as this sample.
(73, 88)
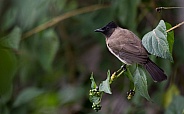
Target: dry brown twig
(178, 25)
(56, 20)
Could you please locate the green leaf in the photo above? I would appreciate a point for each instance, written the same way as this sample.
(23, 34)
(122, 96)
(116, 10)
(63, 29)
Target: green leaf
(93, 83)
(12, 40)
(140, 82)
(177, 106)
(95, 99)
(9, 18)
(105, 85)
(8, 62)
(67, 95)
(26, 96)
(8, 67)
(170, 37)
(156, 42)
(60, 4)
(47, 48)
(126, 11)
(129, 74)
(46, 100)
(29, 12)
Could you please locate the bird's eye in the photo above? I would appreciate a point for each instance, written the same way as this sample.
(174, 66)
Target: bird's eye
(107, 28)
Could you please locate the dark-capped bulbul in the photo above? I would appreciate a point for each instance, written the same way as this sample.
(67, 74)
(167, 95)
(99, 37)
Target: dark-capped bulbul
(128, 48)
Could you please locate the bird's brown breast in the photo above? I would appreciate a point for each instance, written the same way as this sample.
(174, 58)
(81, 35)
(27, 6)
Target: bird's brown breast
(125, 45)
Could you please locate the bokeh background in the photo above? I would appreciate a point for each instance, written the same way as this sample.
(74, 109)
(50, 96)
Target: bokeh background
(47, 70)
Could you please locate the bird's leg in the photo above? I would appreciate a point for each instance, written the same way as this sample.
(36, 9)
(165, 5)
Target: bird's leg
(118, 73)
(123, 67)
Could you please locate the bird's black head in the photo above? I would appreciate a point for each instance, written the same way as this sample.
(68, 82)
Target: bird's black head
(108, 29)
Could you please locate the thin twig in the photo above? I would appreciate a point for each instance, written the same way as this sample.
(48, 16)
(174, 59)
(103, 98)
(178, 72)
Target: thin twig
(158, 9)
(170, 7)
(178, 25)
(56, 20)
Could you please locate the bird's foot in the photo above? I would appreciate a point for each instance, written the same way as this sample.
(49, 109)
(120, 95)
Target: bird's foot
(123, 67)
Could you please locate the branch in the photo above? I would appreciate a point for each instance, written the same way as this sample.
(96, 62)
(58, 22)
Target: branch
(158, 9)
(56, 20)
(178, 25)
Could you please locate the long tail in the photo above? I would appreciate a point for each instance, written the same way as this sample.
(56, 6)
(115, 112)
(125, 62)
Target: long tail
(156, 73)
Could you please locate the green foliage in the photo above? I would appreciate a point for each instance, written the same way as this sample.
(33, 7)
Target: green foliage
(93, 83)
(12, 40)
(177, 106)
(8, 66)
(105, 85)
(67, 96)
(8, 63)
(170, 37)
(48, 102)
(169, 95)
(48, 72)
(156, 42)
(28, 12)
(140, 82)
(26, 96)
(48, 49)
(126, 11)
(95, 94)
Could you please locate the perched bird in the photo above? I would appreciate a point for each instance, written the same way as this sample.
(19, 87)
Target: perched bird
(128, 48)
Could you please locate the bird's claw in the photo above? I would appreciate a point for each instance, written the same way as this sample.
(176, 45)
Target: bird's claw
(123, 67)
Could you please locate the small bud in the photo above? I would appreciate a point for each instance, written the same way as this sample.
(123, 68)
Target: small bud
(129, 97)
(97, 88)
(113, 76)
(90, 93)
(130, 94)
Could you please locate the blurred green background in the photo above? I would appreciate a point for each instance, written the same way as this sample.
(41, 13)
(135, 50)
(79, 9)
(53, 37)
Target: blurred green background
(48, 72)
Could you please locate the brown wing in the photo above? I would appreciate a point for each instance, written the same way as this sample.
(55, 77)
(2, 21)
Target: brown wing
(127, 46)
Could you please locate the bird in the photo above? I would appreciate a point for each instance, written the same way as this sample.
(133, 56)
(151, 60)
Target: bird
(128, 48)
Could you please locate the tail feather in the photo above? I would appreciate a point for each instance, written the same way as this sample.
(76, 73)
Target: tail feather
(156, 73)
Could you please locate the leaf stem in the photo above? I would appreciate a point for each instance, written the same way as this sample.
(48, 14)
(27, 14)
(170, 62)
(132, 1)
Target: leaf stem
(130, 75)
(178, 25)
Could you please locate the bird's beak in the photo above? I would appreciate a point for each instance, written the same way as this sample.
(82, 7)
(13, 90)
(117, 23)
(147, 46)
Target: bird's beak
(99, 30)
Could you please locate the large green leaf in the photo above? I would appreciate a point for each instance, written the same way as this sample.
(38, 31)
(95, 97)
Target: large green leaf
(47, 48)
(156, 42)
(105, 85)
(140, 82)
(26, 96)
(8, 66)
(126, 11)
(8, 62)
(12, 40)
(29, 12)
